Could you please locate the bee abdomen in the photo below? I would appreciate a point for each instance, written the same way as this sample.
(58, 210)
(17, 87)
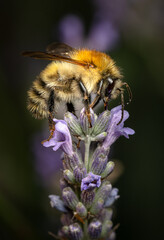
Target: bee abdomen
(37, 99)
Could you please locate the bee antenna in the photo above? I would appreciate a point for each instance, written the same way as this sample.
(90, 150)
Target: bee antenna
(122, 104)
(129, 92)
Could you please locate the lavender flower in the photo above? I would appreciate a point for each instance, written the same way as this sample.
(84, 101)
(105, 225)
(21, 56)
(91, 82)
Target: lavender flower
(90, 181)
(61, 138)
(57, 203)
(103, 35)
(71, 30)
(86, 193)
(114, 131)
(112, 197)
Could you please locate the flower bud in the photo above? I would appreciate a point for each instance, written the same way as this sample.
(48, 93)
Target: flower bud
(72, 162)
(99, 137)
(103, 191)
(106, 227)
(109, 168)
(65, 230)
(76, 160)
(106, 214)
(81, 210)
(68, 175)
(57, 203)
(87, 197)
(101, 123)
(66, 218)
(75, 231)
(100, 151)
(84, 120)
(63, 183)
(97, 206)
(66, 162)
(99, 162)
(70, 198)
(94, 229)
(73, 124)
(79, 173)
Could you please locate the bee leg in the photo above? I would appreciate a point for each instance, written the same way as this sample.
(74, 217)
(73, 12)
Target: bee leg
(106, 100)
(78, 143)
(70, 108)
(50, 118)
(122, 104)
(129, 92)
(86, 100)
(51, 128)
(97, 98)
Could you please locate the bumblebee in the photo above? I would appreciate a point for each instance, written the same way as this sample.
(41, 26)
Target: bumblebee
(74, 74)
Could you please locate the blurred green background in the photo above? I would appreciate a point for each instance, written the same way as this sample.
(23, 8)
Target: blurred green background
(131, 31)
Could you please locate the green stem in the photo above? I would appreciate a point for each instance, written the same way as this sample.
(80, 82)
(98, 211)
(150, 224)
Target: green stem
(87, 148)
(86, 230)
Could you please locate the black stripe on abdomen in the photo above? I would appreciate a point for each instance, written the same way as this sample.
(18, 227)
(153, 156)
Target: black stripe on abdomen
(41, 82)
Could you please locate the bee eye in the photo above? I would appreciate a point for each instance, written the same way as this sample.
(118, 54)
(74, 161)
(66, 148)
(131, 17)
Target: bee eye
(110, 80)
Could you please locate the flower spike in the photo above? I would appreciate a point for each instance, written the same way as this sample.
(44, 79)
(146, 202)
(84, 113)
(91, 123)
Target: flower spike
(87, 195)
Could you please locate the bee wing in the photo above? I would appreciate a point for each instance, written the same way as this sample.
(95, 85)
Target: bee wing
(38, 55)
(55, 57)
(61, 49)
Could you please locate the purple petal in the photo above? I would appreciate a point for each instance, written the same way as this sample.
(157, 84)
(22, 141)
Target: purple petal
(116, 109)
(49, 143)
(126, 132)
(62, 128)
(90, 181)
(114, 131)
(116, 114)
(58, 136)
(60, 121)
(61, 137)
(57, 145)
(67, 148)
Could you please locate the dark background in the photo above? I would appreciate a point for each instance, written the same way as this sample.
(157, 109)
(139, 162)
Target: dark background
(131, 31)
